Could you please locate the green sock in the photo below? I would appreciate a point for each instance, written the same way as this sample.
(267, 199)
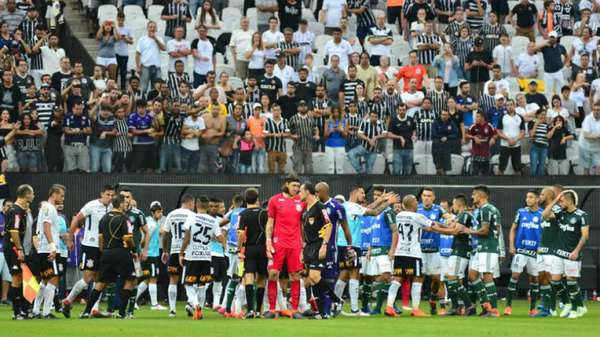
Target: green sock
(462, 294)
(545, 291)
(512, 290)
(479, 289)
(492, 293)
(563, 294)
(451, 287)
(575, 294)
(382, 293)
(471, 292)
(230, 293)
(110, 297)
(534, 292)
(557, 288)
(366, 295)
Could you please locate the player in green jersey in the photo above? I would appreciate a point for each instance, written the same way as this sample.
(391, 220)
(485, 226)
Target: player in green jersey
(573, 233)
(485, 260)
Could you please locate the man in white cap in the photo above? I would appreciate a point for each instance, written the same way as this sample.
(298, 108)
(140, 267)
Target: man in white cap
(555, 57)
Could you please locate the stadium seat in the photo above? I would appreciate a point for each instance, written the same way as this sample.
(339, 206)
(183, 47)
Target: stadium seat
(519, 45)
(458, 163)
(308, 15)
(379, 167)
(567, 41)
(133, 11)
(378, 12)
(316, 27)
(107, 12)
(512, 4)
(236, 3)
(348, 169)
(289, 165)
(510, 30)
(236, 82)
(224, 68)
(320, 163)
(154, 12)
(424, 164)
(321, 40)
(251, 14)
(232, 12)
(289, 144)
(392, 27)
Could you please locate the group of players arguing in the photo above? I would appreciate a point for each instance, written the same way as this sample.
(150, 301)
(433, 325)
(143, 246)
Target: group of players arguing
(308, 242)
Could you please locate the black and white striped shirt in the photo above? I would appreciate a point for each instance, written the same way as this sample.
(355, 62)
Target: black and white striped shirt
(174, 81)
(491, 35)
(27, 26)
(320, 104)
(363, 108)
(475, 22)
(349, 89)
(392, 101)
(540, 136)
(182, 11)
(353, 124)
(453, 30)
(253, 95)
(276, 143)
(246, 111)
(184, 100)
(424, 123)
(446, 6)
(486, 102)
(426, 56)
(122, 143)
(380, 108)
(462, 49)
(439, 100)
(371, 130)
(173, 126)
(291, 59)
(35, 60)
(45, 108)
(302, 126)
(366, 18)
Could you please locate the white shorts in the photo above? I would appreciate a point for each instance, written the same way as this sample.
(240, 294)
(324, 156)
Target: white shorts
(106, 61)
(521, 261)
(562, 266)
(488, 263)
(137, 266)
(4, 272)
(378, 265)
(545, 262)
(443, 267)
(363, 265)
(457, 266)
(431, 263)
(234, 264)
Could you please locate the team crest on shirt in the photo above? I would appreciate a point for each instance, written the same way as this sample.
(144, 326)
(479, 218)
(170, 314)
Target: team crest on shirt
(89, 263)
(299, 208)
(535, 219)
(573, 221)
(418, 71)
(311, 221)
(432, 216)
(449, 127)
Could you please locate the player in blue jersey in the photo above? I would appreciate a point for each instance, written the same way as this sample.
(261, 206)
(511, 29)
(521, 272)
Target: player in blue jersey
(348, 253)
(380, 253)
(430, 243)
(445, 252)
(150, 267)
(231, 220)
(524, 240)
(337, 216)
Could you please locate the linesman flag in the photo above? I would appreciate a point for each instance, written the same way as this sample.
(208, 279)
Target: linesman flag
(31, 287)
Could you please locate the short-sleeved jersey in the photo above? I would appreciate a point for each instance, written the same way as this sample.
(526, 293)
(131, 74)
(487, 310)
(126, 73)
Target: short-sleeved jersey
(430, 241)
(409, 226)
(569, 233)
(62, 230)
(202, 228)
(216, 248)
(529, 231)
(381, 234)
(287, 213)
(489, 214)
(234, 219)
(337, 215)
(138, 220)
(115, 227)
(354, 212)
(315, 222)
(93, 211)
(461, 245)
(549, 233)
(253, 222)
(445, 242)
(174, 224)
(154, 236)
(16, 221)
(48, 214)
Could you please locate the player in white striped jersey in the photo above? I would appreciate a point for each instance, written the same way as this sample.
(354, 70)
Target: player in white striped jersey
(408, 257)
(195, 253)
(48, 234)
(92, 212)
(173, 232)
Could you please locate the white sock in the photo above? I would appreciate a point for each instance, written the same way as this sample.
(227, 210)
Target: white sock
(415, 294)
(303, 305)
(201, 295)
(217, 288)
(281, 302)
(339, 288)
(140, 290)
(153, 294)
(192, 296)
(172, 291)
(39, 299)
(240, 298)
(77, 289)
(353, 286)
(48, 298)
(392, 293)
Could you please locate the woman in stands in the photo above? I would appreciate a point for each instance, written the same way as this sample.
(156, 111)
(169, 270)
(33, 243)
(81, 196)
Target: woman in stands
(208, 17)
(256, 55)
(336, 130)
(7, 135)
(224, 83)
(107, 57)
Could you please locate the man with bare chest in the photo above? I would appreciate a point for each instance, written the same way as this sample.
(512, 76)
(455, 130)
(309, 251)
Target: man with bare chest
(211, 138)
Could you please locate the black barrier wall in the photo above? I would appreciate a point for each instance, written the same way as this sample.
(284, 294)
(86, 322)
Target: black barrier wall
(507, 193)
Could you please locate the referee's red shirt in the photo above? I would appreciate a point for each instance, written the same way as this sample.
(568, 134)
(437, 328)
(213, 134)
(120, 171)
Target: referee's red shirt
(287, 213)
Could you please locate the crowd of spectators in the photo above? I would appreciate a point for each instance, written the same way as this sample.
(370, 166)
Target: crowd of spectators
(267, 86)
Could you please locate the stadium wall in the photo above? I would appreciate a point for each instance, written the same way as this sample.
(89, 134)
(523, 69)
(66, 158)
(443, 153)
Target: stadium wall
(507, 193)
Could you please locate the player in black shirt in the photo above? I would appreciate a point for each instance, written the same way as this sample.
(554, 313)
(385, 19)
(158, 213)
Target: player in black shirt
(251, 237)
(116, 244)
(14, 234)
(316, 232)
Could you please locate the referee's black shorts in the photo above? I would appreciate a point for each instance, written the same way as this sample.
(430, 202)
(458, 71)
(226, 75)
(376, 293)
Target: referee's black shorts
(115, 263)
(255, 260)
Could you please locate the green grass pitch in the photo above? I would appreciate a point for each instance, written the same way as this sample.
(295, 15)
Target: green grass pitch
(152, 323)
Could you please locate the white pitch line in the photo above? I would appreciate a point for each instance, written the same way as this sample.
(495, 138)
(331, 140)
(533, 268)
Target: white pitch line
(192, 185)
(489, 186)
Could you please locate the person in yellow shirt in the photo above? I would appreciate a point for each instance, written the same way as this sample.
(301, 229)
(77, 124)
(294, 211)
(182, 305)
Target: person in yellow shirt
(367, 74)
(214, 100)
